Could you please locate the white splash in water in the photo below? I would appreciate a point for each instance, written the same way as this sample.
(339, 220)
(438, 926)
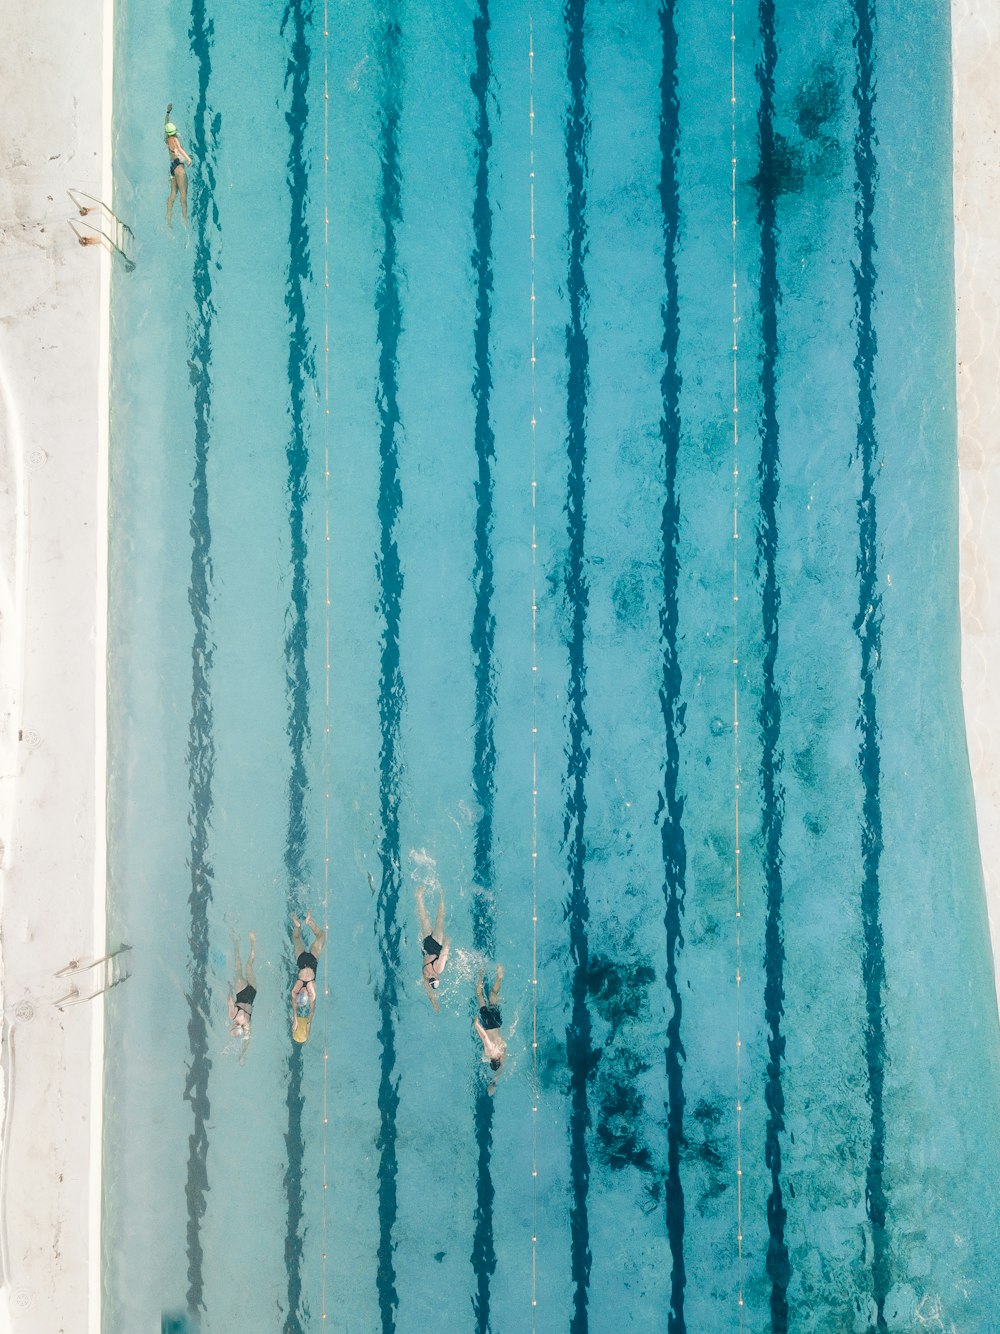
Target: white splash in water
(424, 870)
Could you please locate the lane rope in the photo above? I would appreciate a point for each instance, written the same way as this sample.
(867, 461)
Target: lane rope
(736, 685)
(534, 697)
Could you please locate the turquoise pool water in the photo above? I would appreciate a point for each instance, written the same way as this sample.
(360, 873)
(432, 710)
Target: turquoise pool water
(327, 430)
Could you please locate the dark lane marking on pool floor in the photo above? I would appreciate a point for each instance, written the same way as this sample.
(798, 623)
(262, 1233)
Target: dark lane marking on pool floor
(671, 807)
(391, 690)
(292, 1180)
(868, 627)
(295, 22)
(579, 1047)
(769, 714)
(201, 740)
(483, 1258)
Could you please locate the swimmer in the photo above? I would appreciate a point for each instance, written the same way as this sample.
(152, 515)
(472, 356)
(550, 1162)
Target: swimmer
(243, 992)
(488, 1024)
(304, 986)
(435, 945)
(178, 174)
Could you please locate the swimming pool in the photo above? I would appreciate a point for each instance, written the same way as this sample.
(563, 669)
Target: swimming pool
(496, 263)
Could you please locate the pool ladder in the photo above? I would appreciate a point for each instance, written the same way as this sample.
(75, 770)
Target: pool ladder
(96, 977)
(111, 232)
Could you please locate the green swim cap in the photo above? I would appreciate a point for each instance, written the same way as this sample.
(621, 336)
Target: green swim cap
(169, 129)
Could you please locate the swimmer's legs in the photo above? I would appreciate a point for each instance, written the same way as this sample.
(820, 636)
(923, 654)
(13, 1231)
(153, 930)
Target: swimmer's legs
(184, 191)
(480, 994)
(495, 992)
(171, 197)
(425, 921)
(297, 944)
(319, 937)
(253, 946)
(439, 921)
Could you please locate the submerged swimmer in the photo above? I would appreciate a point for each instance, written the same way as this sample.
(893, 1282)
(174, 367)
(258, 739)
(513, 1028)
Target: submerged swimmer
(435, 945)
(489, 1023)
(244, 991)
(304, 986)
(178, 172)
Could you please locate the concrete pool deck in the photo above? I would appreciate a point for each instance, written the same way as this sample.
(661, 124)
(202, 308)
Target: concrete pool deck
(56, 63)
(53, 458)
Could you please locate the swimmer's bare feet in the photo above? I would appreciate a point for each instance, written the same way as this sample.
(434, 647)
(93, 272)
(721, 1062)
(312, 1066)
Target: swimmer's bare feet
(295, 920)
(310, 922)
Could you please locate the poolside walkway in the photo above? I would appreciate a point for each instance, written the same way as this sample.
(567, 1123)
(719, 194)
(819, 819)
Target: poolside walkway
(53, 419)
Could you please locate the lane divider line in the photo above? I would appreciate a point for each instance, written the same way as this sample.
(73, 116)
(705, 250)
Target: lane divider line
(534, 696)
(736, 684)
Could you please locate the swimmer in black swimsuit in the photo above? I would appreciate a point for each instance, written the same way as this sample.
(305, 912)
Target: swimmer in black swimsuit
(435, 945)
(245, 989)
(304, 986)
(489, 1023)
(178, 172)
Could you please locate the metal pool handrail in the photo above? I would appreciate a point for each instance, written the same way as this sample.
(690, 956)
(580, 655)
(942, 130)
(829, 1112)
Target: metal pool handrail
(113, 972)
(119, 236)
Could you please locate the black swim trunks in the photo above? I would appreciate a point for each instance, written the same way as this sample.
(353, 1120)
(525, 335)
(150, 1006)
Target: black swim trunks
(432, 947)
(175, 162)
(246, 996)
(306, 960)
(489, 1016)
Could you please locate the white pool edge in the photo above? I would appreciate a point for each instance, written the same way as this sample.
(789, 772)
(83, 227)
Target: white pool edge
(96, 1191)
(55, 62)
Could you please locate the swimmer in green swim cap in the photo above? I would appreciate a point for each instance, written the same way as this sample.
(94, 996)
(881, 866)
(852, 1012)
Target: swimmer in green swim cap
(178, 173)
